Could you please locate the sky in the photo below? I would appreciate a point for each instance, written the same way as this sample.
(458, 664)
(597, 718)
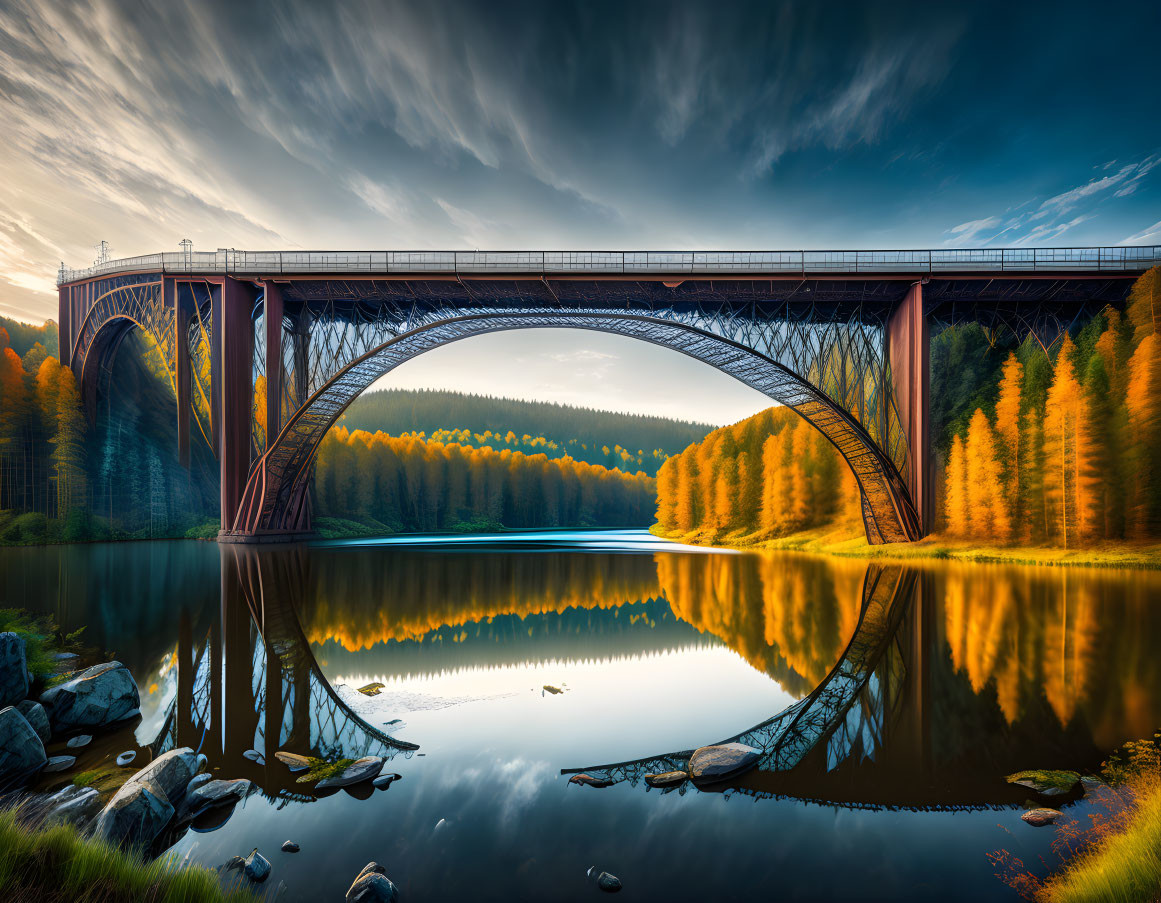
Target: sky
(495, 125)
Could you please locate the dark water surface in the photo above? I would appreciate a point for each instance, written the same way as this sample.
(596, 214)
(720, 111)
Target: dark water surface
(921, 686)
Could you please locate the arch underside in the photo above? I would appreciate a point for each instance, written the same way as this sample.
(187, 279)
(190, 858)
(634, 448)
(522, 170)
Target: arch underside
(275, 499)
(845, 715)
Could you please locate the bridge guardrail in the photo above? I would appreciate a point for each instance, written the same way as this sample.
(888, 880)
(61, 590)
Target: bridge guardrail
(229, 261)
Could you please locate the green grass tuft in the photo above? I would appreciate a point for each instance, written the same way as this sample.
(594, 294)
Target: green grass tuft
(55, 864)
(321, 768)
(1061, 780)
(85, 778)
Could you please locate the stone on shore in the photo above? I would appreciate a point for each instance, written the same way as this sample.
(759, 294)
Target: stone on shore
(722, 762)
(13, 669)
(256, 867)
(289, 846)
(136, 814)
(293, 761)
(372, 886)
(21, 752)
(35, 715)
(197, 781)
(59, 763)
(589, 781)
(360, 770)
(1046, 783)
(74, 805)
(1040, 817)
(96, 697)
(213, 793)
(79, 740)
(171, 772)
(667, 779)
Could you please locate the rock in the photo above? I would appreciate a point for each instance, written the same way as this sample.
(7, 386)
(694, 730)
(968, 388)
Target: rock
(235, 862)
(359, 770)
(289, 846)
(589, 781)
(201, 763)
(293, 761)
(136, 814)
(96, 697)
(21, 752)
(610, 884)
(74, 804)
(256, 867)
(254, 756)
(372, 886)
(1046, 783)
(197, 781)
(13, 669)
(371, 689)
(64, 656)
(386, 780)
(79, 740)
(1041, 817)
(126, 758)
(548, 688)
(667, 779)
(59, 763)
(213, 793)
(719, 763)
(35, 715)
(171, 772)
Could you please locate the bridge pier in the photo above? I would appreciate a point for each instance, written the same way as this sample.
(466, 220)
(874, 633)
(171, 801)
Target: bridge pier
(908, 350)
(233, 387)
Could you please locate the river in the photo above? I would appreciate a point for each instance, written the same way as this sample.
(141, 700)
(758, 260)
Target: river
(923, 685)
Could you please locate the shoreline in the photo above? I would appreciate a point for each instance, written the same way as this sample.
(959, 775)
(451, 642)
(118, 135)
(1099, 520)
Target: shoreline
(838, 540)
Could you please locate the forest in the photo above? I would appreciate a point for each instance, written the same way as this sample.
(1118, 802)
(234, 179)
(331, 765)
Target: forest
(764, 477)
(626, 441)
(410, 483)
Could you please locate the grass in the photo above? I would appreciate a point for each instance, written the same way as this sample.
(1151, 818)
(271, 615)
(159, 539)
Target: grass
(847, 540)
(41, 639)
(1061, 780)
(318, 769)
(86, 778)
(55, 864)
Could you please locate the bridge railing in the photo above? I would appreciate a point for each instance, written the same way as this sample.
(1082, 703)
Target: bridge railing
(942, 261)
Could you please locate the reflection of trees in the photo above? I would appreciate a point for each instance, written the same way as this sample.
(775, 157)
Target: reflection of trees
(1082, 640)
(359, 600)
(787, 614)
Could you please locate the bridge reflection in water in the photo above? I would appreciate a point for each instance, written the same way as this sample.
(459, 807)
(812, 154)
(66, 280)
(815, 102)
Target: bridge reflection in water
(917, 685)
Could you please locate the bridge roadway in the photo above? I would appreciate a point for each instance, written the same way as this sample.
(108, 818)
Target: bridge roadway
(841, 337)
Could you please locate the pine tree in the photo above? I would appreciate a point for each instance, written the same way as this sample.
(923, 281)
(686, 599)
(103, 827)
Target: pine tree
(1008, 426)
(956, 490)
(1061, 435)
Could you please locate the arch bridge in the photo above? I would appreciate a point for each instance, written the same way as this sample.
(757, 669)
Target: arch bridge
(264, 350)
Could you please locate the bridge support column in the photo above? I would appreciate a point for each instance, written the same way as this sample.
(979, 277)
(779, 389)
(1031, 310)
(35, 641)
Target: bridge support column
(233, 390)
(182, 313)
(272, 318)
(908, 340)
(64, 329)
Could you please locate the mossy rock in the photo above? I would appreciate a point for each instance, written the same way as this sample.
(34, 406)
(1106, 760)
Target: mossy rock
(1046, 782)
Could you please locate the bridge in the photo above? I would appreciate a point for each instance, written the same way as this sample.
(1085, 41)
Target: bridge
(266, 349)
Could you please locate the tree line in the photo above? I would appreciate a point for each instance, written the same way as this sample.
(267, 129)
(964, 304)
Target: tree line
(409, 482)
(1064, 447)
(761, 478)
(598, 437)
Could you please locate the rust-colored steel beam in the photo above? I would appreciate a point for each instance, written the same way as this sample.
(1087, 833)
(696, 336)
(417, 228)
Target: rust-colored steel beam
(233, 389)
(272, 318)
(908, 342)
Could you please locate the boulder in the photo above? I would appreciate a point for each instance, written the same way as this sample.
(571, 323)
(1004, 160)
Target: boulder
(79, 740)
(213, 793)
(667, 779)
(21, 752)
(289, 846)
(256, 867)
(13, 669)
(126, 758)
(722, 762)
(35, 715)
(254, 756)
(360, 770)
(74, 805)
(1040, 817)
(171, 772)
(386, 780)
(1046, 783)
(197, 781)
(136, 814)
(293, 761)
(96, 697)
(59, 763)
(610, 884)
(372, 886)
(589, 781)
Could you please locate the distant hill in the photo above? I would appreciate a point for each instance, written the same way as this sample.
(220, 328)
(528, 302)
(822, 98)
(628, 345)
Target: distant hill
(584, 433)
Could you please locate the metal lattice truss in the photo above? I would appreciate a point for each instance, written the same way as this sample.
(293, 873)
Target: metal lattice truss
(833, 371)
(844, 715)
(139, 303)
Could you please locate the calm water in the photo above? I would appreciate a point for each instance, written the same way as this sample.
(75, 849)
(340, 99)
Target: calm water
(885, 784)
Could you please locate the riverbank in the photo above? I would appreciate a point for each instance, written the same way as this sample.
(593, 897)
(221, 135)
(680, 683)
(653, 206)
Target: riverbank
(847, 540)
(55, 863)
